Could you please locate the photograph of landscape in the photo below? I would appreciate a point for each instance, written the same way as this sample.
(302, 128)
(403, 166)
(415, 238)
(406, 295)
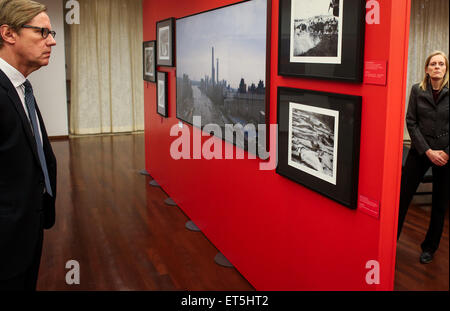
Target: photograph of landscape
(221, 67)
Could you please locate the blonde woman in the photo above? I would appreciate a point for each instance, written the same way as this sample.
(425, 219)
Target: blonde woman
(427, 122)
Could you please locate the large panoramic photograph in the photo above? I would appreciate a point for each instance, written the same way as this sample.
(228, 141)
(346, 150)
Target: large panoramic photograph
(221, 67)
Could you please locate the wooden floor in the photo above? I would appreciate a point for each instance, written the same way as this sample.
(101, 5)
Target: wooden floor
(118, 228)
(125, 238)
(410, 274)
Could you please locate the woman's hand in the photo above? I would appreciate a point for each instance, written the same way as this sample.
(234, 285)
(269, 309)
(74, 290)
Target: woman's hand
(443, 155)
(438, 157)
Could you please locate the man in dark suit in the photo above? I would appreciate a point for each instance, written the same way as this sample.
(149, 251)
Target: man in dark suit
(27, 162)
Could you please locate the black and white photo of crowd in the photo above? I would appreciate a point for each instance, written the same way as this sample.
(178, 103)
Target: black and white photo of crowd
(315, 27)
(313, 142)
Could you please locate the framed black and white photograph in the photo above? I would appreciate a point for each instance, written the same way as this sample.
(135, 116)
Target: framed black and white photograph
(318, 142)
(317, 31)
(312, 140)
(149, 61)
(322, 39)
(222, 69)
(162, 103)
(165, 38)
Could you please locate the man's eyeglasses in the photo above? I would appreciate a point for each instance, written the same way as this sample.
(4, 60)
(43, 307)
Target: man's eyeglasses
(44, 31)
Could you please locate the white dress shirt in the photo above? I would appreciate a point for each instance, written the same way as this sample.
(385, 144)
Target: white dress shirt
(17, 79)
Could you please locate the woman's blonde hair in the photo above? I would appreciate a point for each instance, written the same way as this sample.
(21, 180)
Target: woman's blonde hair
(16, 13)
(426, 78)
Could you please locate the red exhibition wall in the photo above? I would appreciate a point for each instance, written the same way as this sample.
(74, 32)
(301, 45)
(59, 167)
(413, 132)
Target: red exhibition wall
(277, 233)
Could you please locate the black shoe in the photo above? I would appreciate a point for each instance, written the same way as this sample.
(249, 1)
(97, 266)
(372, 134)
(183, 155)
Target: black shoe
(426, 257)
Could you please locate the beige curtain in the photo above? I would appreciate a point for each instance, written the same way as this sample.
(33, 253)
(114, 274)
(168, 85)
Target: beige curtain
(106, 68)
(428, 32)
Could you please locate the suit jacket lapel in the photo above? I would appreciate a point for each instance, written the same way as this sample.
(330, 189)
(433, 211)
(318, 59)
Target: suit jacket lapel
(429, 95)
(442, 94)
(17, 103)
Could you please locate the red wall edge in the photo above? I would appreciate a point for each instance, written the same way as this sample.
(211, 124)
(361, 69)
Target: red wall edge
(397, 77)
(278, 234)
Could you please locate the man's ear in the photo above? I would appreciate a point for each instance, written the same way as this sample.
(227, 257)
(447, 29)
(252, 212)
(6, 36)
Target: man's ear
(8, 34)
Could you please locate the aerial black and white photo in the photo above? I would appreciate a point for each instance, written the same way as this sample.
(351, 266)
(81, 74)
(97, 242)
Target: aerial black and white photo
(313, 140)
(162, 94)
(163, 43)
(221, 67)
(149, 62)
(316, 31)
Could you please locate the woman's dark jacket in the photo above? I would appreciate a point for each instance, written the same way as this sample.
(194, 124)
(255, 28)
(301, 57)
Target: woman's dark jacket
(427, 120)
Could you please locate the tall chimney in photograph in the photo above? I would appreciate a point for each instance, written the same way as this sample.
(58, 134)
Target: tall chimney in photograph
(212, 67)
(217, 69)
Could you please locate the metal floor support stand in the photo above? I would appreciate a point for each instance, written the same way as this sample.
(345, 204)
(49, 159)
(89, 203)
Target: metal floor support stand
(190, 225)
(144, 172)
(170, 202)
(221, 260)
(153, 183)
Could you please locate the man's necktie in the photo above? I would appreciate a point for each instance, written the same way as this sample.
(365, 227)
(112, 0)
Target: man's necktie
(31, 106)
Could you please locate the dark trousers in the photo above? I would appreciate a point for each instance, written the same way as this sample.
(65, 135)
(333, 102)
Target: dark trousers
(27, 280)
(413, 171)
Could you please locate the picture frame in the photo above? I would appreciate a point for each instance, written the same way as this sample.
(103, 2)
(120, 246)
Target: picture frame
(165, 39)
(319, 142)
(213, 66)
(149, 61)
(162, 102)
(322, 39)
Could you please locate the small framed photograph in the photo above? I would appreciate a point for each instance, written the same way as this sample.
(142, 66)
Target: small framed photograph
(149, 52)
(322, 39)
(318, 142)
(162, 103)
(165, 38)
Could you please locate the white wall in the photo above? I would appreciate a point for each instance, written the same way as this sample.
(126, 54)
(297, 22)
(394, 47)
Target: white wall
(49, 83)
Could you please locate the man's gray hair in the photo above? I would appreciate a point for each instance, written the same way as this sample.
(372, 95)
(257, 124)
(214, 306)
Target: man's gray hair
(16, 13)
